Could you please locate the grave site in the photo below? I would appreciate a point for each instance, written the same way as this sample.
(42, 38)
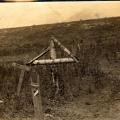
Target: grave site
(62, 71)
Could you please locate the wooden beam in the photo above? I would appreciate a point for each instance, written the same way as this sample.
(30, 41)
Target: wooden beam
(20, 82)
(65, 49)
(23, 69)
(40, 55)
(37, 99)
(53, 57)
(52, 50)
(55, 61)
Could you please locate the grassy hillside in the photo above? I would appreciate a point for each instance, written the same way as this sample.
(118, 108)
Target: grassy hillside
(94, 42)
(29, 41)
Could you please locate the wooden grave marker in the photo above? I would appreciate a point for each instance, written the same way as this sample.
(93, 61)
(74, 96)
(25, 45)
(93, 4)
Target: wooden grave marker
(35, 87)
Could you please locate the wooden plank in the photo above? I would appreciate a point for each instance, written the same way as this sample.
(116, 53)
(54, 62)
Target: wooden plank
(56, 61)
(40, 55)
(65, 49)
(53, 57)
(37, 100)
(40, 99)
(20, 82)
(52, 50)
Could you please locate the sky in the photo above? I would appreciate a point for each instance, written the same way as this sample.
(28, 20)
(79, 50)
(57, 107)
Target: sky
(34, 13)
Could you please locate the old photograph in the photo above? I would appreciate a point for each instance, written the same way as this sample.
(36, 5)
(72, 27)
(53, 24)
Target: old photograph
(60, 61)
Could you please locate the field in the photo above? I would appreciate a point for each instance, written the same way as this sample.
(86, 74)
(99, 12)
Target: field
(90, 90)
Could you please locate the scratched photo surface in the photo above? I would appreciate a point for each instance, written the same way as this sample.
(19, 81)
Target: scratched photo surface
(60, 61)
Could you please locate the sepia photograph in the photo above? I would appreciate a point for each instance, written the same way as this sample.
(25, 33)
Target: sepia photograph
(60, 61)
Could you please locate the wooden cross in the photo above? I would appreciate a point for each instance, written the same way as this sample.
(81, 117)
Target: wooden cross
(35, 87)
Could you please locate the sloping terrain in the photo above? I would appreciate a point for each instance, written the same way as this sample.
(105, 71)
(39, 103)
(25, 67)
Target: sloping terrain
(91, 88)
(16, 42)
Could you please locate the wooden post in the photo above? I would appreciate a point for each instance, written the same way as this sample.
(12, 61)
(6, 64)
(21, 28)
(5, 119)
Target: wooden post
(20, 82)
(53, 57)
(37, 98)
(23, 69)
(52, 50)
